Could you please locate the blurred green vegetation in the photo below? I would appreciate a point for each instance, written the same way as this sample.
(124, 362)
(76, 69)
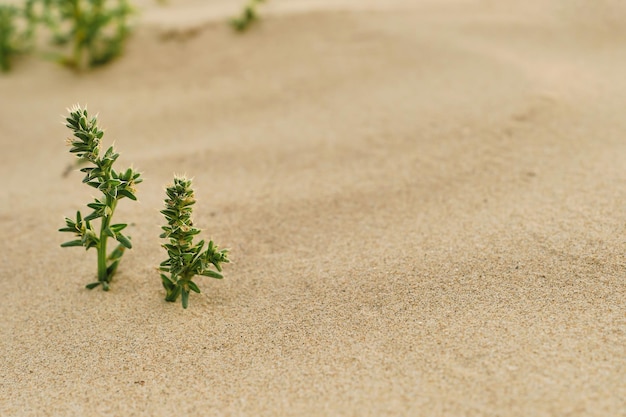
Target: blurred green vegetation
(77, 33)
(248, 16)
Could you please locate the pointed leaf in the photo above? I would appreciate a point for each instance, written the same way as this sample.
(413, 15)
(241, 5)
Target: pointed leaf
(93, 216)
(111, 269)
(124, 240)
(193, 287)
(97, 205)
(175, 293)
(77, 242)
(118, 227)
(125, 193)
(211, 273)
(167, 283)
(117, 253)
(72, 123)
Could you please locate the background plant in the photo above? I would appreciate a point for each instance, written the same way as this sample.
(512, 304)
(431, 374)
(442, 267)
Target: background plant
(113, 185)
(15, 33)
(93, 32)
(186, 259)
(248, 16)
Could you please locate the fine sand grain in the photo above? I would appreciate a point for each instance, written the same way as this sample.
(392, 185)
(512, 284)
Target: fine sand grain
(425, 203)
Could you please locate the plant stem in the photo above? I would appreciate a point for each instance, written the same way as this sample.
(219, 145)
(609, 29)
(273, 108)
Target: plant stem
(102, 244)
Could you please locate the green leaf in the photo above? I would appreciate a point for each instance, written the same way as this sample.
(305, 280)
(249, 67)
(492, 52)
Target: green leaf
(211, 273)
(169, 212)
(118, 227)
(72, 123)
(199, 247)
(117, 253)
(97, 205)
(113, 183)
(92, 285)
(111, 269)
(109, 152)
(123, 240)
(82, 135)
(173, 295)
(70, 225)
(172, 248)
(167, 283)
(193, 231)
(125, 193)
(77, 242)
(91, 244)
(193, 287)
(93, 216)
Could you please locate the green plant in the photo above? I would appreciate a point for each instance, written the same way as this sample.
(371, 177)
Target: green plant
(13, 41)
(95, 30)
(247, 17)
(113, 185)
(185, 259)
(7, 35)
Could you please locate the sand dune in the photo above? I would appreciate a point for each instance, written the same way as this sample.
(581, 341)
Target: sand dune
(424, 203)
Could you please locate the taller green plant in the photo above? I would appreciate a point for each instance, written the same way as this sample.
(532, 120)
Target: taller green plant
(114, 187)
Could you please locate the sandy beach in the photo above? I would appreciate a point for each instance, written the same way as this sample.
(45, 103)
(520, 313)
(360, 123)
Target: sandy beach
(425, 204)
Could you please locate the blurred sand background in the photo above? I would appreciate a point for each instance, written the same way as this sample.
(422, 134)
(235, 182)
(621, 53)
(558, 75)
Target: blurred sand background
(424, 202)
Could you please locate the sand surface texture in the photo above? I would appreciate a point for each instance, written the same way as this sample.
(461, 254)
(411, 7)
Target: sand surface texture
(424, 202)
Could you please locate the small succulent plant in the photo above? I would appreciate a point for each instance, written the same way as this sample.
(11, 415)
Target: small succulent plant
(185, 259)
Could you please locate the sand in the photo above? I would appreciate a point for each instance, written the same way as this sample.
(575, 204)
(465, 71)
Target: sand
(424, 202)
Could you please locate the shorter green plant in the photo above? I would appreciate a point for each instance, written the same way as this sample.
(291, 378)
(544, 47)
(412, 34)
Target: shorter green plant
(113, 185)
(248, 16)
(186, 259)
